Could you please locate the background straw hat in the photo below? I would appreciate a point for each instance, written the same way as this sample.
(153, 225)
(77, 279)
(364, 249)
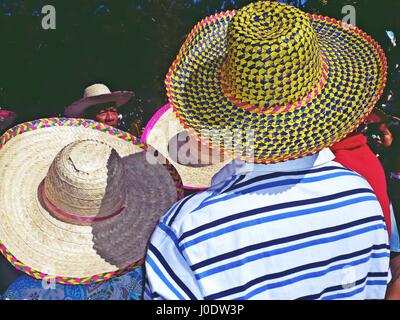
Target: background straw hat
(166, 135)
(298, 82)
(79, 199)
(97, 94)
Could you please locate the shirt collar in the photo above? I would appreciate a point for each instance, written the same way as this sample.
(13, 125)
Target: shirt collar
(238, 167)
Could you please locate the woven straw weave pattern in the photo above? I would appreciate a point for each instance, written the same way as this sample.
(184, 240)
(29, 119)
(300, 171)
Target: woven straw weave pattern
(335, 74)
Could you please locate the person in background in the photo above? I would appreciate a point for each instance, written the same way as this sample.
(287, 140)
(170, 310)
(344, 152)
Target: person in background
(383, 132)
(390, 134)
(383, 137)
(354, 153)
(100, 104)
(380, 137)
(390, 146)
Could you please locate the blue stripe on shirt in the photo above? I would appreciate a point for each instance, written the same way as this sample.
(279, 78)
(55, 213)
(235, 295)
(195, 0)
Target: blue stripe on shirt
(275, 242)
(377, 282)
(297, 213)
(344, 295)
(160, 274)
(313, 275)
(237, 181)
(217, 190)
(171, 235)
(279, 206)
(333, 289)
(299, 246)
(293, 280)
(307, 276)
(314, 265)
(275, 184)
(275, 175)
(340, 287)
(175, 212)
(170, 272)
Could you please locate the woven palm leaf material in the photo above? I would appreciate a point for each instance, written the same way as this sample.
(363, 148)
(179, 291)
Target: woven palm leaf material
(285, 83)
(79, 199)
(166, 135)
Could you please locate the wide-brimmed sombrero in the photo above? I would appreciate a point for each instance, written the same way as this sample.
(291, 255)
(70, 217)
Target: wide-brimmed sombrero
(291, 83)
(7, 117)
(97, 94)
(79, 199)
(166, 135)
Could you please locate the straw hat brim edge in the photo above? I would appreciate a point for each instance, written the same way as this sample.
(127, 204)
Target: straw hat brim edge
(78, 107)
(50, 122)
(192, 178)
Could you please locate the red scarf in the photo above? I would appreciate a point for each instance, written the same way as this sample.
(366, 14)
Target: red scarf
(354, 153)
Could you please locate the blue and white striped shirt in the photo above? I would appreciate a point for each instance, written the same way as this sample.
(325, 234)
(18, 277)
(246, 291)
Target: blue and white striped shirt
(303, 229)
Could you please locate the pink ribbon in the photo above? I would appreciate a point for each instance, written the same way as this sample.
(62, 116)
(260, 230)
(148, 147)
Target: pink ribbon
(53, 208)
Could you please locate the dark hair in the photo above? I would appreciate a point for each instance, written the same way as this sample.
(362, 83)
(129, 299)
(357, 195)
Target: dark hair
(394, 126)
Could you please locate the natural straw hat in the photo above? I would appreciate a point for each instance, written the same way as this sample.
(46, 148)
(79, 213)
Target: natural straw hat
(79, 199)
(97, 94)
(299, 82)
(166, 135)
(6, 118)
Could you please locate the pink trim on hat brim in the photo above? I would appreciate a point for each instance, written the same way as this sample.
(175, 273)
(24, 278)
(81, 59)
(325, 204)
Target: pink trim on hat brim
(77, 108)
(154, 119)
(149, 127)
(51, 207)
(194, 188)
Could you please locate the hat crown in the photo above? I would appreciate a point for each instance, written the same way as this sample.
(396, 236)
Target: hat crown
(273, 56)
(86, 180)
(96, 90)
(89, 156)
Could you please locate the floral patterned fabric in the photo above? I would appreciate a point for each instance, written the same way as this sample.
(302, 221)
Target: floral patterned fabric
(125, 287)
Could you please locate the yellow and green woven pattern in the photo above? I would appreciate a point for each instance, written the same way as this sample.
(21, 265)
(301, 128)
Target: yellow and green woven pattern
(298, 82)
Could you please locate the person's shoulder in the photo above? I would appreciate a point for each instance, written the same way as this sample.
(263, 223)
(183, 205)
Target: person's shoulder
(184, 207)
(346, 177)
(189, 208)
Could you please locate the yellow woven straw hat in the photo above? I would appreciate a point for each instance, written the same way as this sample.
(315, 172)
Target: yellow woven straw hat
(196, 167)
(79, 199)
(290, 83)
